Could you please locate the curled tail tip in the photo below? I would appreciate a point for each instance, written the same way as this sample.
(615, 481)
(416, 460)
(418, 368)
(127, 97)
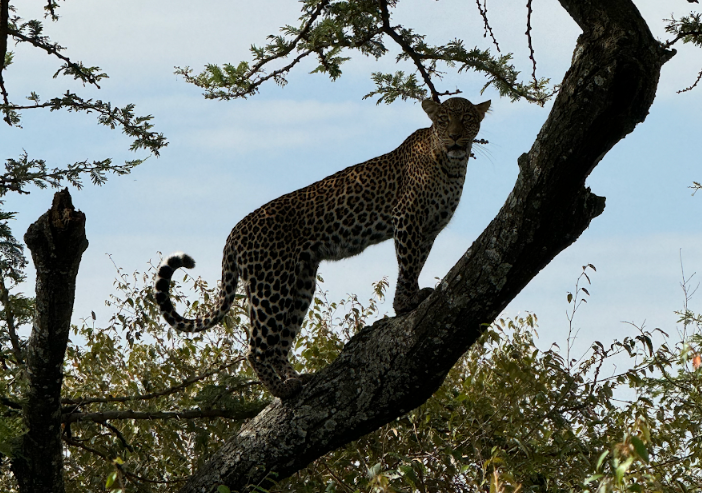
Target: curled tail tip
(179, 259)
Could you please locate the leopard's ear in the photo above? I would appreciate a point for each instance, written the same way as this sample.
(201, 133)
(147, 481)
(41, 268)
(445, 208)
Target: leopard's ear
(431, 108)
(483, 108)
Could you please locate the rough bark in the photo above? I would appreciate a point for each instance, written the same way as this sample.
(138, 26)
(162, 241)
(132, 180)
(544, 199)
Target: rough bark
(397, 364)
(57, 241)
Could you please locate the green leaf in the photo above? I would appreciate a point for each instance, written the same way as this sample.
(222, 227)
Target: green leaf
(601, 459)
(640, 448)
(111, 479)
(223, 489)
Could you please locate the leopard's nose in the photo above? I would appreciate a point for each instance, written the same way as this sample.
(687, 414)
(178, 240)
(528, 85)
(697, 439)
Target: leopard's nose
(454, 137)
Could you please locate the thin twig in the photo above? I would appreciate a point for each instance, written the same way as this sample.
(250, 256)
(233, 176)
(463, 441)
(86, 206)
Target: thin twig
(338, 479)
(416, 58)
(531, 48)
(494, 75)
(293, 44)
(483, 13)
(699, 77)
(118, 434)
(51, 9)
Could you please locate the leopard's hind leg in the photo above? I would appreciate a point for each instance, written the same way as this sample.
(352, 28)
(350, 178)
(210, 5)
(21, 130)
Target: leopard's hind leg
(303, 293)
(276, 313)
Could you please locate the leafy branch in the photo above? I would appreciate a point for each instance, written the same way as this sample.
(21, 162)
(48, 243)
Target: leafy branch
(237, 80)
(329, 27)
(23, 172)
(87, 75)
(688, 29)
(137, 127)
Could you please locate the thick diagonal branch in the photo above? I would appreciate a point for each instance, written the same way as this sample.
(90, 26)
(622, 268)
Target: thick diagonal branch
(397, 364)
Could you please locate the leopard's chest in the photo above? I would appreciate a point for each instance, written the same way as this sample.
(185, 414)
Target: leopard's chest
(446, 193)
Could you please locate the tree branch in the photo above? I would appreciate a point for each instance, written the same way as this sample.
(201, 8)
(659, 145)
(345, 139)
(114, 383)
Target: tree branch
(531, 48)
(4, 30)
(483, 13)
(185, 414)
(79, 71)
(252, 87)
(387, 29)
(694, 84)
(10, 320)
(171, 390)
(57, 242)
(395, 365)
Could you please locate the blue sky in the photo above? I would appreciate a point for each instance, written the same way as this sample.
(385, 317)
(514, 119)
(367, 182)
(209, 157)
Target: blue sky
(225, 159)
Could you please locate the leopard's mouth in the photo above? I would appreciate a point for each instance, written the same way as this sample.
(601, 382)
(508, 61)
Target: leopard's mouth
(456, 151)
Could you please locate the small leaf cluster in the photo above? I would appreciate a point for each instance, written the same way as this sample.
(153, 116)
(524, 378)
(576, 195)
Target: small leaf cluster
(687, 29)
(24, 172)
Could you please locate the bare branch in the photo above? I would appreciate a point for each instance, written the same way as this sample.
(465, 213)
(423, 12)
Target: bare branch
(407, 49)
(483, 13)
(185, 414)
(690, 88)
(531, 48)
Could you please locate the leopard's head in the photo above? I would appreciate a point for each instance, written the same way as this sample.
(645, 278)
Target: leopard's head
(456, 122)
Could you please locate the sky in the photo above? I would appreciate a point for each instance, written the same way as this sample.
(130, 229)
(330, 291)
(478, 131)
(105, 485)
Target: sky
(225, 159)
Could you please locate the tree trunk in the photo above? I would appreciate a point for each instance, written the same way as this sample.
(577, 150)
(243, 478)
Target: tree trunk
(57, 242)
(396, 365)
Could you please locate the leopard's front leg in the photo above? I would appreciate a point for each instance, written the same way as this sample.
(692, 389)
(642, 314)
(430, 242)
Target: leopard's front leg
(412, 248)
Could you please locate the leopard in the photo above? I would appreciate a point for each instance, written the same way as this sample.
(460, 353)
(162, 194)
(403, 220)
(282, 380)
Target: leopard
(408, 195)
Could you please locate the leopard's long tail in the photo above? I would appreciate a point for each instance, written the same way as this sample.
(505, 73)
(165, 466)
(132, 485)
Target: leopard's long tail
(162, 288)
